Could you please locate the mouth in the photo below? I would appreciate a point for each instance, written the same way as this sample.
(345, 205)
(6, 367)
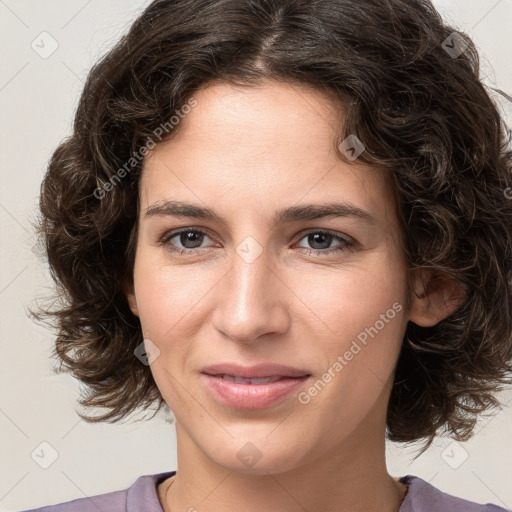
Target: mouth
(259, 371)
(241, 380)
(254, 387)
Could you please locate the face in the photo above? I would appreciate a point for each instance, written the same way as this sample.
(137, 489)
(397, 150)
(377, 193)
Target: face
(324, 295)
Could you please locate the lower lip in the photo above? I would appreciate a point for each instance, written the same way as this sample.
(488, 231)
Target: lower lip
(251, 396)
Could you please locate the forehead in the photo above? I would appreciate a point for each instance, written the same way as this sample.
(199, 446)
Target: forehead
(281, 108)
(260, 145)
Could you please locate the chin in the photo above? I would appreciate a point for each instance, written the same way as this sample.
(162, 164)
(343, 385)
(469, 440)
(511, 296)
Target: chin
(257, 455)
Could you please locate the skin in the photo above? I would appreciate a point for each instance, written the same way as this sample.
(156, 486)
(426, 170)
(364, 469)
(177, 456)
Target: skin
(246, 153)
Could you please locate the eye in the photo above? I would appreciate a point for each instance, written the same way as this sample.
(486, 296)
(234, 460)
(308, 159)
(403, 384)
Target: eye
(191, 239)
(324, 240)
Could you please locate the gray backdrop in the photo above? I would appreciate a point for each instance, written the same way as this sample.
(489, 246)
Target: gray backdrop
(47, 49)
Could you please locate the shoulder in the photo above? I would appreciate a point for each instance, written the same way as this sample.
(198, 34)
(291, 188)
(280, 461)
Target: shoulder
(424, 497)
(141, 495)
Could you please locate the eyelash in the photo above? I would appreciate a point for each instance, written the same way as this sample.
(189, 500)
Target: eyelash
(346, 244)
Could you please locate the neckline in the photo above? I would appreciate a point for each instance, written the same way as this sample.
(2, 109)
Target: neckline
(158, 478)
(406, 480)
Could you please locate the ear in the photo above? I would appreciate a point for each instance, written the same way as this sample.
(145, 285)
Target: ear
(129, 291)
(435, 297)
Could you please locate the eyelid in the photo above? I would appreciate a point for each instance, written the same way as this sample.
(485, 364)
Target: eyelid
(349, 242)
(168, 235)
(336, 234)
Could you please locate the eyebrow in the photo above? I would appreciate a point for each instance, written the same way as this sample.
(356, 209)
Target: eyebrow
(289, 214)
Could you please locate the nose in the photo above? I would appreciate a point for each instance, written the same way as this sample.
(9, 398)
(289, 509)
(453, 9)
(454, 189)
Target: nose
(252, 299)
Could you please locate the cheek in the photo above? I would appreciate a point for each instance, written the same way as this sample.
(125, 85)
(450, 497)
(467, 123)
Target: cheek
(359, 327)
(166, 295)
(360, 335)
(168, 300)
(347, 300)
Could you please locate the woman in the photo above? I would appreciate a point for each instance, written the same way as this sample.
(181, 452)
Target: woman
(288, 222)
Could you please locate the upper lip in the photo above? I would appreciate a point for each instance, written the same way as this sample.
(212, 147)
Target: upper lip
(254, 372)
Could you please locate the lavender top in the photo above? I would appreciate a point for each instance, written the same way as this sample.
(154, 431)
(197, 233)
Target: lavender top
(142, 496)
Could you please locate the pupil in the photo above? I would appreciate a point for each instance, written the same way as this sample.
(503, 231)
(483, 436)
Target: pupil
(322, 236)
(189, 237)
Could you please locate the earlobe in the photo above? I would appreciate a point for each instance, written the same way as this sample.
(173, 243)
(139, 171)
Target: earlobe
(129, 291)
(435, 297)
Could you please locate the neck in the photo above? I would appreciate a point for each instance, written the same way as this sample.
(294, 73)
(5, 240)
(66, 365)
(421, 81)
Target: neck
(352, 478)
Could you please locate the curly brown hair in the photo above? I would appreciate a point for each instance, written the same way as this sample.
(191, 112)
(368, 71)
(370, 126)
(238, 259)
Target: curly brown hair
(411, 92)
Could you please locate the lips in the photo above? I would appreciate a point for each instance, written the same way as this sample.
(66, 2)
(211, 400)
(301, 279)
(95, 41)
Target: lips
(252, 387)
(260, 371)
(241, 380)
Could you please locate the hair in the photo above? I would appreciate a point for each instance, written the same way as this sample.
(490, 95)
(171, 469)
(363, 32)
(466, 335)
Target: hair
(420, 110)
